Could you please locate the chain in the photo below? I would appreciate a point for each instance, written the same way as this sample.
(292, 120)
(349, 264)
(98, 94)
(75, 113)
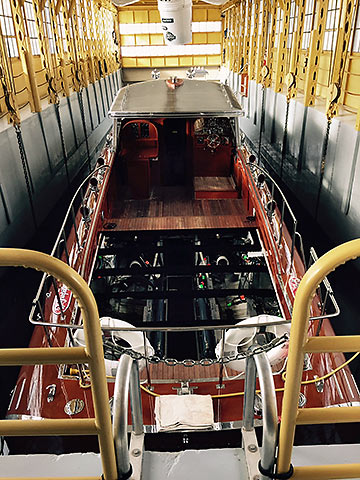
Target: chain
(62, 138)
(261, 121)
(25, 166)
(322, 164)
(204, 362)
(283, 150)
(83, 119)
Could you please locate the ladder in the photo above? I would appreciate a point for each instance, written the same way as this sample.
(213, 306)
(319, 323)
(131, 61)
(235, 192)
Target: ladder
(299, 345)
(91, 354)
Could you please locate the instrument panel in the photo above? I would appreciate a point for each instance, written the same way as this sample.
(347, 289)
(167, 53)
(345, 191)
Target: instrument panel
(212, 132)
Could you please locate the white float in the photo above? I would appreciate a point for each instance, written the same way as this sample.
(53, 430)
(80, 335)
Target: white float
(237, 340)
(135, 340)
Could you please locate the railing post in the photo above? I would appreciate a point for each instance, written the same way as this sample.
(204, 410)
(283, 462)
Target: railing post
(269, 411)
(249, 397)
(135, 400)
(120, 416)
(259, 363)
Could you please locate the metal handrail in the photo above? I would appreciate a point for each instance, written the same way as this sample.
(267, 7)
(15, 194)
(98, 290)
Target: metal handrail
(127, 375)
(328, 295)
(61, 237)
(285, 202)
(296, 234)
(92, 355)
(260, 363)
(194, 328)
(300, 344)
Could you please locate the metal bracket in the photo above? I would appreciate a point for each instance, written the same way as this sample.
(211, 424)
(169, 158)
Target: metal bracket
(185, 388)
(252, 452)
(136, 455)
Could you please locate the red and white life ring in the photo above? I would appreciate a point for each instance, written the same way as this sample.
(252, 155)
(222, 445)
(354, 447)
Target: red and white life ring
(241, 339)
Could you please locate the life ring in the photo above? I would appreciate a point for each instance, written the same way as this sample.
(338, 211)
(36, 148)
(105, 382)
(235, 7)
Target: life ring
(132, 340)
(241, 339)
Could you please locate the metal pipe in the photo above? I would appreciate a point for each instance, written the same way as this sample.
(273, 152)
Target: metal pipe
(135, 400)
(249, 397)
(269, 411)
(47, 426)
(120, 415)
(43, 356)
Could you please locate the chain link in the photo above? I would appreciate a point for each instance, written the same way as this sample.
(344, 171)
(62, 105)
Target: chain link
(204, 362)
(284, 145)
(25, 166)
(322, 165)
(262, 119)
(83, 119)
(62, 138)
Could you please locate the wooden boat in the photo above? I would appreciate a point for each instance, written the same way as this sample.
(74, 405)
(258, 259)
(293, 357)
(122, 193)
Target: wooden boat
(182, 234)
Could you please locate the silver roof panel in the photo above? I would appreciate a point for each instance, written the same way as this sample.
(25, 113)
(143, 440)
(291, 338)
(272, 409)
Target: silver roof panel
(192, 99)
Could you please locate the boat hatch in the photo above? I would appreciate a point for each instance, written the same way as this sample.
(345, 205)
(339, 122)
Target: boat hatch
(193, 98)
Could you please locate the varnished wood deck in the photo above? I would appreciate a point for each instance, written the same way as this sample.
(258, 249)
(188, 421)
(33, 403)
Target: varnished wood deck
(180, 372)
(175, 209)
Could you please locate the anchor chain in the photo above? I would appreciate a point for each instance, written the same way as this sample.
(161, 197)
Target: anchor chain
(204, 362)
(25, 166)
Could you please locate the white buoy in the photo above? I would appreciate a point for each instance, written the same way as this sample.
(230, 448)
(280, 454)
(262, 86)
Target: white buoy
(176, 16)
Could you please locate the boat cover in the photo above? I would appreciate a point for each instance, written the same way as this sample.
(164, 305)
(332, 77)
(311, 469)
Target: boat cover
(193, 98)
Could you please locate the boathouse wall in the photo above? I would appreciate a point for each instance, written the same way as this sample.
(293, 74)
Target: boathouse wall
(332, 201)
(30, 189)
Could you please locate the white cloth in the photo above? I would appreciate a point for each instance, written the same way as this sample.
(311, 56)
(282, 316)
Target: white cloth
(179, 412)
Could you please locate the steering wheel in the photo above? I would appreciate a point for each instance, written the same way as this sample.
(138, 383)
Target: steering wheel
(213, 141)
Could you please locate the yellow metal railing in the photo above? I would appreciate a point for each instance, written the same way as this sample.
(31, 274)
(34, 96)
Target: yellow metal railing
(300, 344)
(92, 354)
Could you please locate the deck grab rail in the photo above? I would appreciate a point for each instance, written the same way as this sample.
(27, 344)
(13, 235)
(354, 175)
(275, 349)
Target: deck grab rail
(299, 345)
(91, 354)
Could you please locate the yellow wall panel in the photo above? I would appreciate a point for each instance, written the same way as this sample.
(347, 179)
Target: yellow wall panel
(142, 39)
(158, 62)
(127, 40)
(143, 62)
(129, 62)
(141, 16)
(199, 14)
(199, 38)
(171, 61)
(213, 15)
(186, 61)
(200, 59)
(154, 16)
(125, 16)
(156, 39)
(214, 59)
